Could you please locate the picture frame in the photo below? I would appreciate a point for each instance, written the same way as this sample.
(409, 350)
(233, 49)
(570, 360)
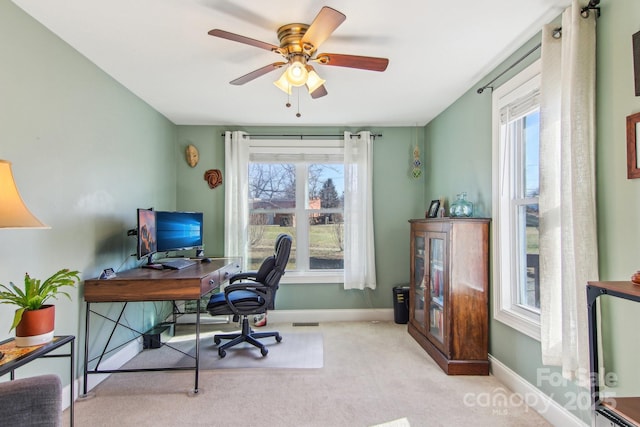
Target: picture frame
(633, 146)
(433, 209)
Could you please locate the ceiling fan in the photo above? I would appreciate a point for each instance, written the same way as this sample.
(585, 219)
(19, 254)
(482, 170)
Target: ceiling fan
(298, 46)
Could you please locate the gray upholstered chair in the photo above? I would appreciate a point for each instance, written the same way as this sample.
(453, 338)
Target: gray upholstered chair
(31, 402)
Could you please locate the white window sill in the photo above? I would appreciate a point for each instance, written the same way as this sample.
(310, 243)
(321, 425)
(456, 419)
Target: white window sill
(292, 277)
(518, 322)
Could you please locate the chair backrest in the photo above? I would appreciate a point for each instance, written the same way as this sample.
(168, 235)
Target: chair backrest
(265, 268)
(269, 262)
(281, 258)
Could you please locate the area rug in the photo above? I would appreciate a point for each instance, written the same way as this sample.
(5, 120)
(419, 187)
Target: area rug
(295, 351)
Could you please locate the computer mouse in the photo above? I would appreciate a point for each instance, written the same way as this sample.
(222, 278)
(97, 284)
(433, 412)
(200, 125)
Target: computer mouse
(205, 260)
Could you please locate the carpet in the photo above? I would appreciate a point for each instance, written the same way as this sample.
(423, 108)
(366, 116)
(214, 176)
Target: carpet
(300, 350)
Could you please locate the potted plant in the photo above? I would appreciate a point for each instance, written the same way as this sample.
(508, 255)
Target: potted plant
(34, 320)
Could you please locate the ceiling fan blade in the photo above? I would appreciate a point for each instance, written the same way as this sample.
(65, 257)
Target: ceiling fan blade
(318, 93)
(257, 73)
(242, 39)
(353, 61)
(323, 25)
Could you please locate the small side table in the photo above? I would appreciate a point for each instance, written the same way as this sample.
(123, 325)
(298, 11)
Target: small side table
(15, 357)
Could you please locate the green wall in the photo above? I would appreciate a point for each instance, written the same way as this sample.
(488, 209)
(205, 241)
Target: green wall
(618, 197)
(397, 198)
(86, 153)
(460, 140)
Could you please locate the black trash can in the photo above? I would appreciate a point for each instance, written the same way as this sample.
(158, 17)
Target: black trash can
(401, 304)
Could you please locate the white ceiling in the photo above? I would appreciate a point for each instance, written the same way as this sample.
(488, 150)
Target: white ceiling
(160, 50)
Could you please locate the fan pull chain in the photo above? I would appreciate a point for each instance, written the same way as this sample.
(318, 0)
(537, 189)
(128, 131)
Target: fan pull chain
(288, 104)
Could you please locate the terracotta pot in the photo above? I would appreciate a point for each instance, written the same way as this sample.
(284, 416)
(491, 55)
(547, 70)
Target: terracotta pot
(36, 326)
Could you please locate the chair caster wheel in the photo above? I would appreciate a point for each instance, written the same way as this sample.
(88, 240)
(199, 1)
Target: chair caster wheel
(264, 351)
(222, 353)
(278, 338)
(216, 340)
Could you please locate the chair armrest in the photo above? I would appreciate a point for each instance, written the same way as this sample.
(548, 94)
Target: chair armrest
(246, 286)
(244, 275)
(257, 289)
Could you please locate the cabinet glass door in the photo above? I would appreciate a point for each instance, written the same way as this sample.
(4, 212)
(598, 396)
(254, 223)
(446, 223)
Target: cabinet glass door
(419, 281)
(436, 289)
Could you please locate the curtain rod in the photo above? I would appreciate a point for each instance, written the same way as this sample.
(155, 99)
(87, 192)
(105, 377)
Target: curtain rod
(593, 5)
(301, 136)
(488, 85)
(557, 33)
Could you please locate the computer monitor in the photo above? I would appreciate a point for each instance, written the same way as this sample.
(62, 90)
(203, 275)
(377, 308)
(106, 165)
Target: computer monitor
(147, 241)
(177, 231)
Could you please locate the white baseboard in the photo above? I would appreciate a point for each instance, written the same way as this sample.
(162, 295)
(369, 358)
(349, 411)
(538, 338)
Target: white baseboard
(548, 408)
(342, 315)
(306, 316)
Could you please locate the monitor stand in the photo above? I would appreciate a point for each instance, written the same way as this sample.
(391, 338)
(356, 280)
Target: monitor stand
(151, 264)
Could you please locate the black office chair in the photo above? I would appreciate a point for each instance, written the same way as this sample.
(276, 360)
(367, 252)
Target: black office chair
(251, 293)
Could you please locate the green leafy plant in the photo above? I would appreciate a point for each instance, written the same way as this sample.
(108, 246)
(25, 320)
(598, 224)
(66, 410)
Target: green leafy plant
(36, 292)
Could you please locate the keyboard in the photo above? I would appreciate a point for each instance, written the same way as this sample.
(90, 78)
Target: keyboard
(178, 263)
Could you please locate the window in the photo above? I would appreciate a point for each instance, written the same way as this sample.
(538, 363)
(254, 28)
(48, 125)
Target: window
(297, 187)
(319, 191)
(516, 187)
(280, 194)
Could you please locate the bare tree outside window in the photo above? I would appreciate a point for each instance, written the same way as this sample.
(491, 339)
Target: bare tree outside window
(276, 206)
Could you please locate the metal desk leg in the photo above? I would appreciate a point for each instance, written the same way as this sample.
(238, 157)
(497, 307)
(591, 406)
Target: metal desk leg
(72, 377)
(592, 317)
(197, 344)
(86, 350)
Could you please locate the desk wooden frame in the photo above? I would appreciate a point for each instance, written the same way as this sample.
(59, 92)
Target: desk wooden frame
(141, 284)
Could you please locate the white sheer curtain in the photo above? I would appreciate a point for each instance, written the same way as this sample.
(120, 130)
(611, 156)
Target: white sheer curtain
(568, 234)
(359, 250)
(236, 194)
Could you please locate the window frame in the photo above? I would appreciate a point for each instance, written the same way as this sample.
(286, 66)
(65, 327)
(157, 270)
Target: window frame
(301, 151)
(505, 237)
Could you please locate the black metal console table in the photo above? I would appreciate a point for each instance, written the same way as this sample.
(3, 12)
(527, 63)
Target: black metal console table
(619, 411)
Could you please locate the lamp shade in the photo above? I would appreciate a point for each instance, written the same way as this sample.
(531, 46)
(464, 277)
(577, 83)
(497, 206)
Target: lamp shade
(13, 212)
(314, 81)
(283, 84)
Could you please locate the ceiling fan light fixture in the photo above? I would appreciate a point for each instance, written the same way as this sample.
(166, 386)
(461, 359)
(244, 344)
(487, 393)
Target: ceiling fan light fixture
(283, 83)
(314, 81)
(297, 73)
(298, 46)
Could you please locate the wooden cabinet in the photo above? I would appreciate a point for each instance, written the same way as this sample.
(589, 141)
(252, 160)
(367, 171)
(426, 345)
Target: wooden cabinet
(448, 297)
